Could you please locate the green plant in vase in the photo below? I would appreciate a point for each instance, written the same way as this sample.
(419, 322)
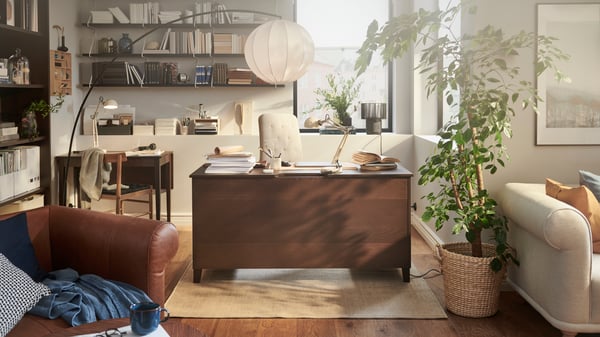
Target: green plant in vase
(339, 97)
(42, 108)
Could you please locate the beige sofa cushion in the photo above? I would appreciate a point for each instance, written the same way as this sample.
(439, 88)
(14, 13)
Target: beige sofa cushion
(584, 200)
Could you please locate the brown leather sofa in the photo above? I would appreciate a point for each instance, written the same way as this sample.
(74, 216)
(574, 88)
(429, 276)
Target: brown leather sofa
(116, 247)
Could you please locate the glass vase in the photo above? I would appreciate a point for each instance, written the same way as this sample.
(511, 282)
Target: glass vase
(125, 44)
(29, 125)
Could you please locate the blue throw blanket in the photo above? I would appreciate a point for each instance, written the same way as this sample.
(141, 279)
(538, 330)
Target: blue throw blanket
(86, 298)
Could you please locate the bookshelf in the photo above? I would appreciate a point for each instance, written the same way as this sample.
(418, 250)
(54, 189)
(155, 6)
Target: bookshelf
(190, 46)
(28, 31)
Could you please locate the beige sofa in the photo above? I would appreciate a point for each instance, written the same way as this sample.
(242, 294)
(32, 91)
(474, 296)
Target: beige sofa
(559, 275)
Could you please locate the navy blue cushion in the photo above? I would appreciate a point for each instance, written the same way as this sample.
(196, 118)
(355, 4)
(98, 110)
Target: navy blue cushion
(16, 245)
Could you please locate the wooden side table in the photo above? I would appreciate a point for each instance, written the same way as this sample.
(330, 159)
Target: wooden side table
(174, 327)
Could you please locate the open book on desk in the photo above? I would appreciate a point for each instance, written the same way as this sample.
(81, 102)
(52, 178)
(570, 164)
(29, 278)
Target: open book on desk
(362, 157)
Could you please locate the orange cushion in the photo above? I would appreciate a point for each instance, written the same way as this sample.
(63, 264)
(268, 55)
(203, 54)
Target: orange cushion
(584, 200)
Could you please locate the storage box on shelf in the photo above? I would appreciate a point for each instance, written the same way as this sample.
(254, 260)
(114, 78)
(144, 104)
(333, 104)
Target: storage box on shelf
(60, 73)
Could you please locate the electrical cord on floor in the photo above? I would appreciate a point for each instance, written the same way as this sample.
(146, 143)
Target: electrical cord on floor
(424, 275)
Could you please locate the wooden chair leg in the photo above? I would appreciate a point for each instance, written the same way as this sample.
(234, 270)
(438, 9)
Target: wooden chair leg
(150, 203)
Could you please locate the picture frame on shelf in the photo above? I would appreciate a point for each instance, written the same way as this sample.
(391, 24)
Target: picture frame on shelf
(568, 111)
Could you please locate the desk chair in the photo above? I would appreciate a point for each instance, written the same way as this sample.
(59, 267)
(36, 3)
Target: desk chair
(280, 133)
(132, 193)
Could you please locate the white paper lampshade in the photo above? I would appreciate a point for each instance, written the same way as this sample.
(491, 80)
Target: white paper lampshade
(279, 51)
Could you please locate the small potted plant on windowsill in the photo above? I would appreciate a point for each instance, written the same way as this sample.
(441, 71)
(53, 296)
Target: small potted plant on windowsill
(339, 97)
(42, 108)
(480, 81)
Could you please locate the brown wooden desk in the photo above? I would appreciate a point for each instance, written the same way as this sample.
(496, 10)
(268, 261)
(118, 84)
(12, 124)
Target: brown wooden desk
(148, 170)
(301, 220)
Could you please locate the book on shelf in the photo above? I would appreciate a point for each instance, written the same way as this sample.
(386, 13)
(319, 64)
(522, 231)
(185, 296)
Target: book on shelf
(362, 157)
(118, 14)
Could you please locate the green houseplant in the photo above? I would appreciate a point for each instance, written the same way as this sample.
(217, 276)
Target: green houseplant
(480, 83)
(338, 97)
(40, 107)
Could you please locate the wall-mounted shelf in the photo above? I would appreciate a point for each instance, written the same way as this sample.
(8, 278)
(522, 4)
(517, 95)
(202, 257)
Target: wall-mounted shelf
(161, 55)
(188, 86)
(22, 86)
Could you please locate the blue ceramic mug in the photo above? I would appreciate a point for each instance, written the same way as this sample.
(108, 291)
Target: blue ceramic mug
(145, 317)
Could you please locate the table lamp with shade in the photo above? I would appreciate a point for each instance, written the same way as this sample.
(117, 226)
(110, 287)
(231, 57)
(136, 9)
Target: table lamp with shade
(278, 52)
(373, 113)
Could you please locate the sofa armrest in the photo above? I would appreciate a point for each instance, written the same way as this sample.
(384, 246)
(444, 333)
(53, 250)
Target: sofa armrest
(560, 225)
(126, 249)
(553, 241)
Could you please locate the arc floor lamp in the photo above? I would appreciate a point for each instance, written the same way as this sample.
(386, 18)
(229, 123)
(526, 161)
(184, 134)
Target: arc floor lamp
(278, 51)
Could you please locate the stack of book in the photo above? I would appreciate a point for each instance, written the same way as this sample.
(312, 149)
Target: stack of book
(165, 126)
(219, 73)
(229, 43)
(239, 76)
(203, 74)
(8, 131)
(230, 160)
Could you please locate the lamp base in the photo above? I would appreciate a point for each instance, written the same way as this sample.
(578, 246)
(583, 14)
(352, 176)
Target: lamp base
(373, 126)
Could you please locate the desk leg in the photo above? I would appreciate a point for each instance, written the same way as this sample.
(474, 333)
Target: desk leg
(157, 189)
(406, 274)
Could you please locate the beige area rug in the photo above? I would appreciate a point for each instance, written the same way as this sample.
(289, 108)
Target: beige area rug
(303, 293)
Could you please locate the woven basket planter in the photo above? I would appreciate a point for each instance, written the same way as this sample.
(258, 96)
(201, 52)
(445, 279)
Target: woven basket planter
(472, 289)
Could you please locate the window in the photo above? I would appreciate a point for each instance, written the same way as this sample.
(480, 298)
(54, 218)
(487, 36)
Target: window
(338, 29)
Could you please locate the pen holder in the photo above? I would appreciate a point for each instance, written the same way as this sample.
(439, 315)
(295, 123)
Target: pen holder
(276, 163)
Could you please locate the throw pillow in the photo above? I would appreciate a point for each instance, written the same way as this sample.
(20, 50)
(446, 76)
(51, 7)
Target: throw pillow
(584, 200)
(18, 294)
(16, 245)
(591, 181)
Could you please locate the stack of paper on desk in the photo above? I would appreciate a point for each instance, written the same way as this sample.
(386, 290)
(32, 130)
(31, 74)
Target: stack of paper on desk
(230, 159)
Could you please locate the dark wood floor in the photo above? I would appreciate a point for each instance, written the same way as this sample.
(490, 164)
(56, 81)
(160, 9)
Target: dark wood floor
(516, 318)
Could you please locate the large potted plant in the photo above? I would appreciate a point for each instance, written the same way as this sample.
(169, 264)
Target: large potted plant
(479, 81)
(339, 96)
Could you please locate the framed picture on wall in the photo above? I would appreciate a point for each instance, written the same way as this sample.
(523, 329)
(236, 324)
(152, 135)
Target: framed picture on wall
(569, 112)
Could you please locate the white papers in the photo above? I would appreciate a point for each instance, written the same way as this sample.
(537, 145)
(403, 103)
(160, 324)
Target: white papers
(230, 164)
(160, 332)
